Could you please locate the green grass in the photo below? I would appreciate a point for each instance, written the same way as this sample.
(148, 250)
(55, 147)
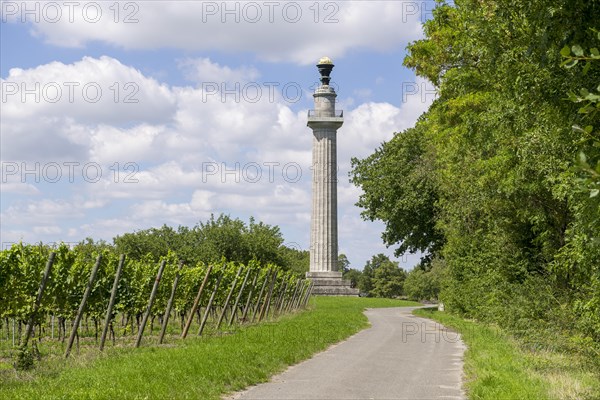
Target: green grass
(197, 368)
(498, 367)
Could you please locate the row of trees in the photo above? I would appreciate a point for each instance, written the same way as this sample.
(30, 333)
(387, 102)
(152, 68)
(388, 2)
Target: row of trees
(226, 238)
(382, 277)
(219, 238)
(498, 182)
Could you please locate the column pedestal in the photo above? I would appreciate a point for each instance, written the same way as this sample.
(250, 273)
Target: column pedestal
(330, 283)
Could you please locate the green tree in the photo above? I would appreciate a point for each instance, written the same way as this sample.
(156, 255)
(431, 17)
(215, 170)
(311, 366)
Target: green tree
(399, 189)
(388, 280)
(295, 260)
(218, 238)
(489, 179)
(576, 262)
(264, 242)
(354, 276)
(381, 277)
(365, 282)
(425, 282)
(343, 263)
(153, 241)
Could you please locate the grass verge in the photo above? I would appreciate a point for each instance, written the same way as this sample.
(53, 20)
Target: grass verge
(498, 367)
(201, 367)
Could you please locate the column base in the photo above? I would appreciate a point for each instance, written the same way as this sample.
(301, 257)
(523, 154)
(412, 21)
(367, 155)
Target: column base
(330, 283)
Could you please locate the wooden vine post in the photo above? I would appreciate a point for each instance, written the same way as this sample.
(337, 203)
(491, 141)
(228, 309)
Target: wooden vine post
(308, 293)
(196, 302)
(262, 289)
(38, 301)
(265, 309)
(86, 294)
(288, 306)
(252, 287)
(210, 301)
(138, 341)
(237, 300)
(229, 297)
(279, 302)
(300, 296)
(111, 304)
(170, 304)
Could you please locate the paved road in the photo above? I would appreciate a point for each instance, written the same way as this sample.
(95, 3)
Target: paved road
(400, 357)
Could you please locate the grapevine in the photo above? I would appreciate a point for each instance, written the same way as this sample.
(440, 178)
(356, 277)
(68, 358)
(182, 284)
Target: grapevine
(238, 299)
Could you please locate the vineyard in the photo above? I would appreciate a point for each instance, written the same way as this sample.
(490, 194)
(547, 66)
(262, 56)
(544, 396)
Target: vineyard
(67, 299)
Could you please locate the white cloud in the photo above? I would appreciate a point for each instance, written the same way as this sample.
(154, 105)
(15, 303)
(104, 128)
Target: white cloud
(44, 211)
(110, 144)
(179, 213)
(204, 71)
(18, 188)
(299, 32)
(47, 230)
(92, 89)
(170, 145)
(65, 105)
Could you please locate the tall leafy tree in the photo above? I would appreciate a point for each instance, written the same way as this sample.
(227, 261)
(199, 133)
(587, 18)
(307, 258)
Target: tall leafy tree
(399, 189)
(381, 277)
(343, 263)
(489, 178)
(388, 280)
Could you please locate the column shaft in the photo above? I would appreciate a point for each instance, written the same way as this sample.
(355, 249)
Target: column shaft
(324, 235)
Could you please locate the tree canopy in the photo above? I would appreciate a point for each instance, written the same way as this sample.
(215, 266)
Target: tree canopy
(380, 277)
(219, 238)
(491, 178)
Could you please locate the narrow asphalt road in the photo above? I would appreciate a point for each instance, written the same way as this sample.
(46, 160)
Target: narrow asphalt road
(400, 357)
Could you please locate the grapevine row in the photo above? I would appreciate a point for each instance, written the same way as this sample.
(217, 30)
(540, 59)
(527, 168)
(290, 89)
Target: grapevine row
(219, 294)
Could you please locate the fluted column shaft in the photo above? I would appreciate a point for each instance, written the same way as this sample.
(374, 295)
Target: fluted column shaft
(324, 229)
(324, 232)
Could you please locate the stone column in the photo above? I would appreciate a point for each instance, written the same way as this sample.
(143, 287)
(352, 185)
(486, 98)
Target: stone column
(324, 121)
(324, 237)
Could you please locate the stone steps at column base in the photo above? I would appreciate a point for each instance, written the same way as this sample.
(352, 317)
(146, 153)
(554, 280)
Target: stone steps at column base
(335, 291)
(333, 287)
(330, 282)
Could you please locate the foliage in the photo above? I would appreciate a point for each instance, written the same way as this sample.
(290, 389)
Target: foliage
(425, 283)
(354, 276)
(343, 263)
(24, 360)
(493, 179)
(21, 268)
(295, 260)
(584, 246)
(218, 238)
(381, 277)
(349, 274)
(398, 189)
(388, 280)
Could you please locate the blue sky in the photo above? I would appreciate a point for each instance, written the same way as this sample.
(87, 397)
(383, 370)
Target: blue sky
(118, 116)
